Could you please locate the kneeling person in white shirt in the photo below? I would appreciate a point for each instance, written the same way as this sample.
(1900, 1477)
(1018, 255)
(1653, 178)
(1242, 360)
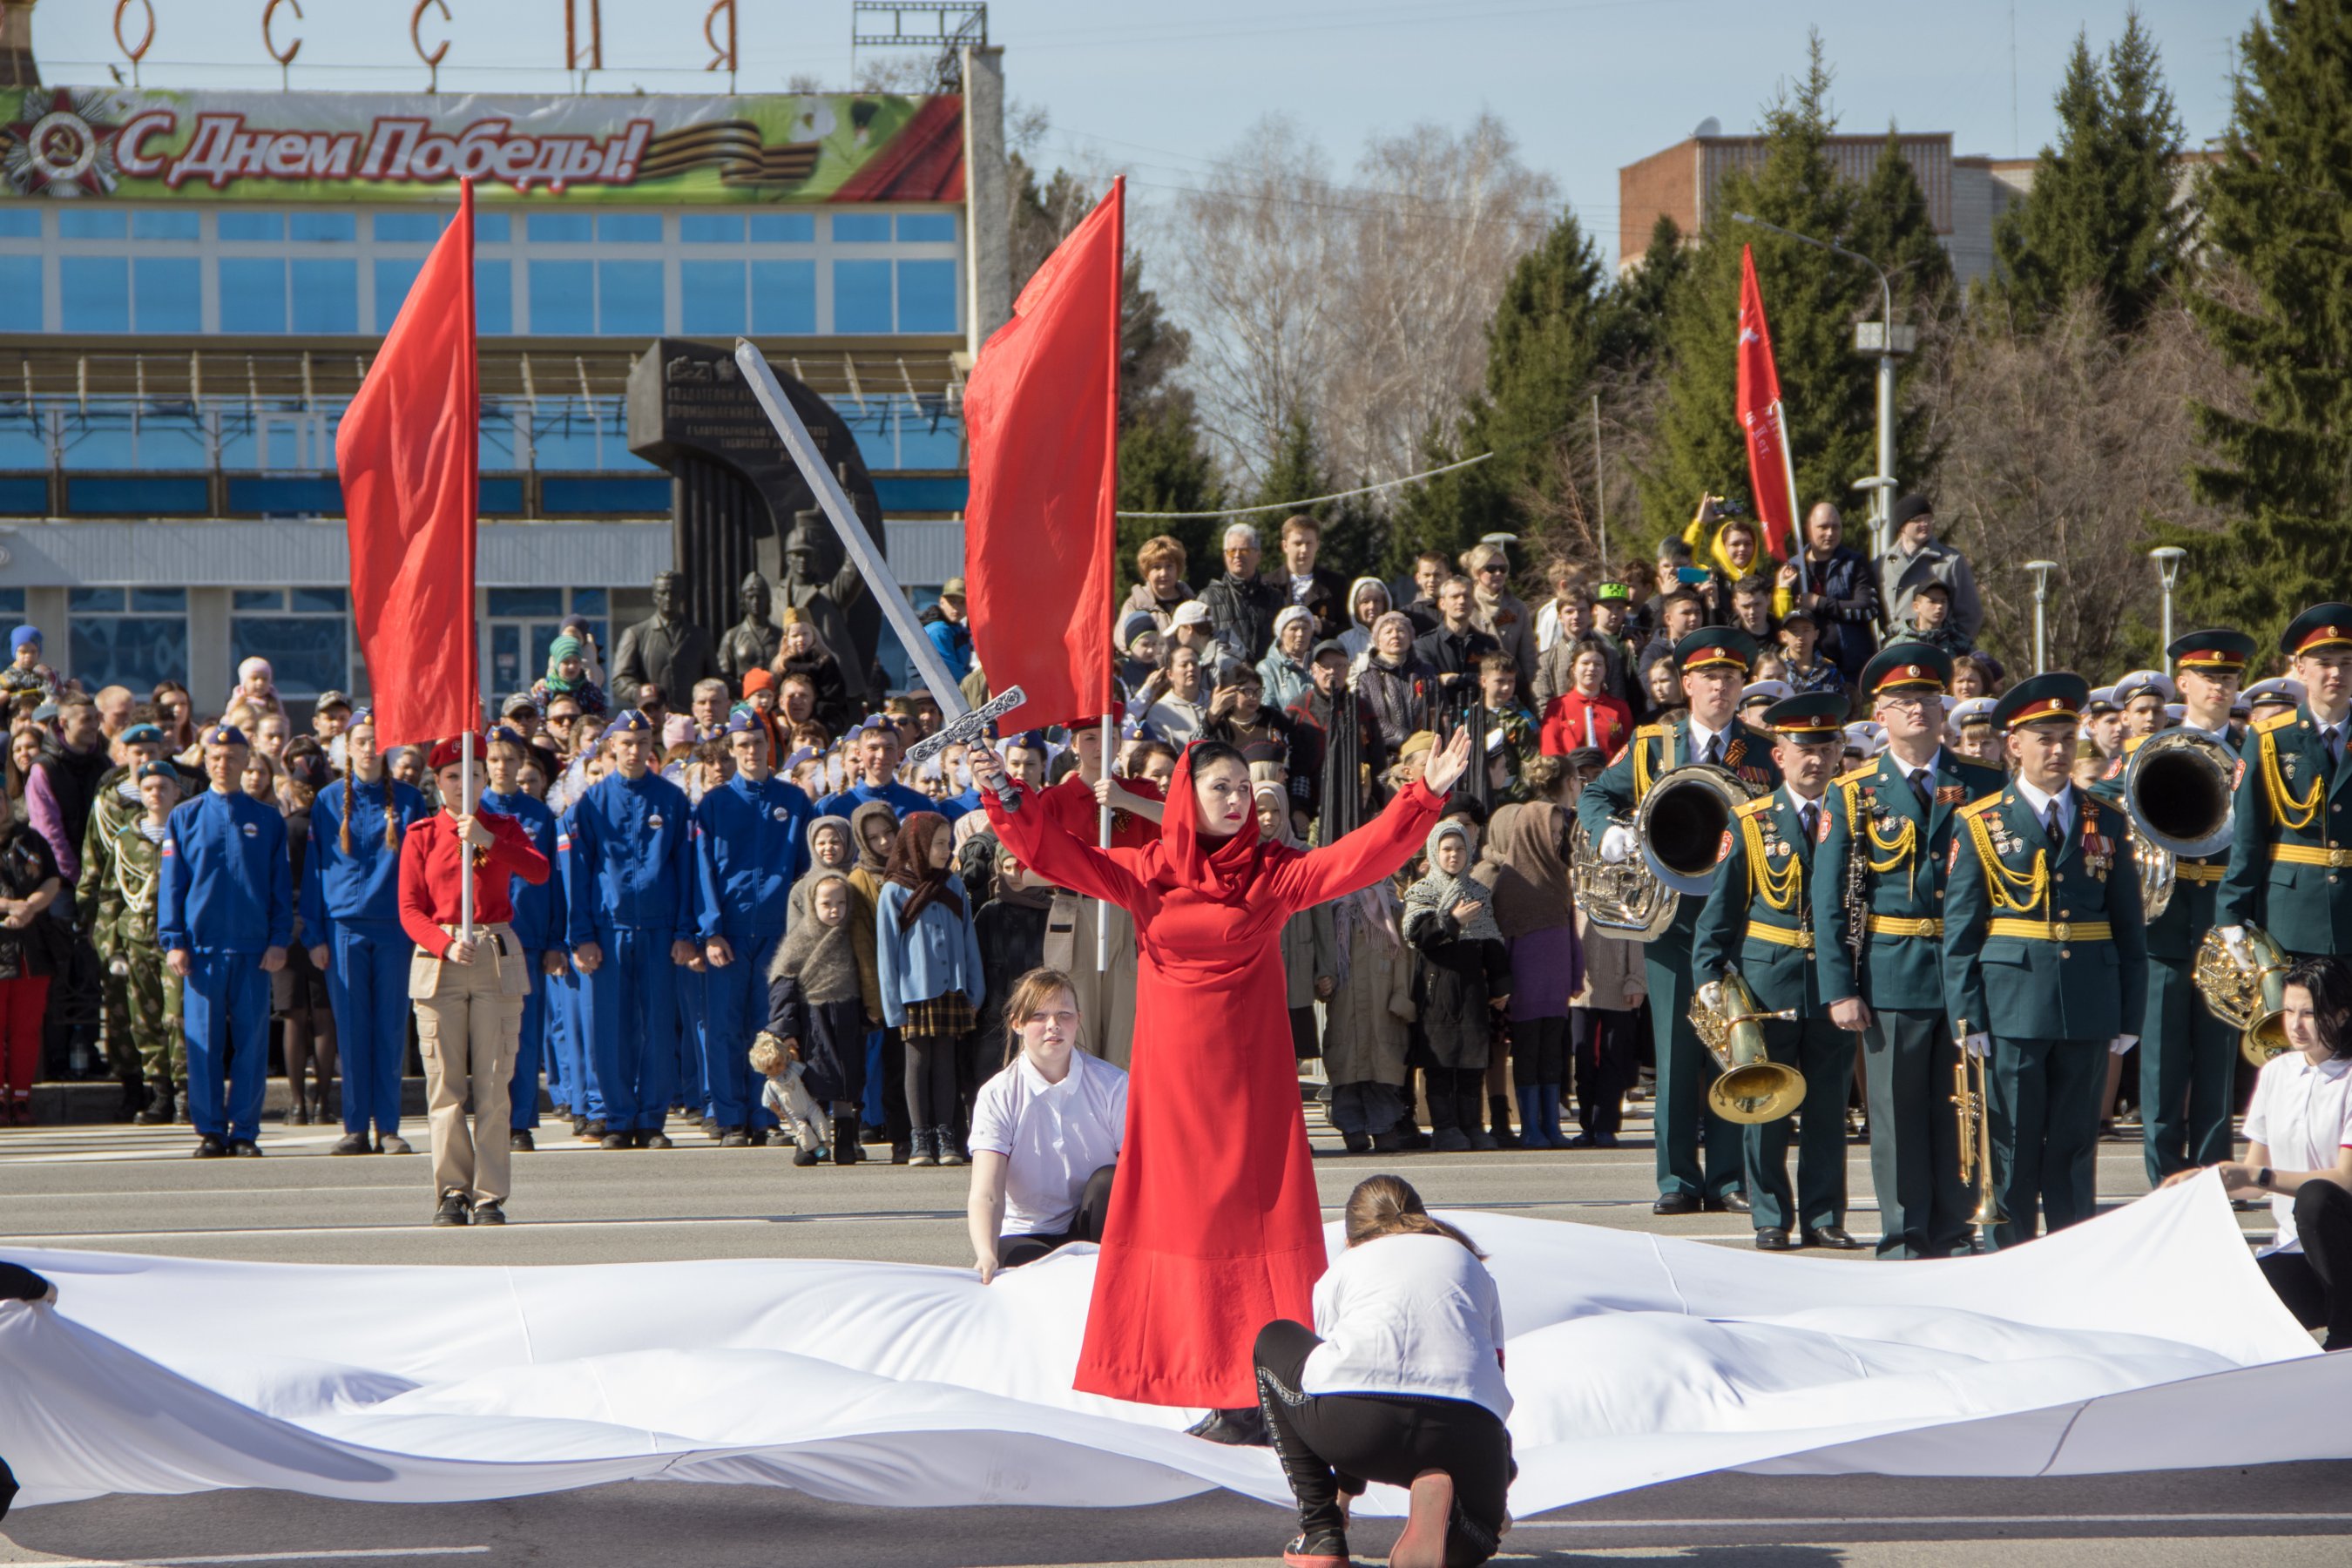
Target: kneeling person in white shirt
(2299, 1152)
(1401, 1381)
(1046, 1133)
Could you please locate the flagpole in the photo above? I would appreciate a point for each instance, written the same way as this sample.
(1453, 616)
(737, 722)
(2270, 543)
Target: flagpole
(465, 851)
(471, 702)
(1110, 484)
(1796, 522)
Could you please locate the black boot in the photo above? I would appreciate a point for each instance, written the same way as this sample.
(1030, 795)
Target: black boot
(1445, 1134)
(134, 1100)
(158, 1110)
(1498, 1115)
(1242, 1428)
(845, 1150)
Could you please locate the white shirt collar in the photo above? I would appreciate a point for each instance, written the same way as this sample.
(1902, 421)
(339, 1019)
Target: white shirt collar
(1700, 736)
(2039, 802)
(1040, 1084)
(1797, 802)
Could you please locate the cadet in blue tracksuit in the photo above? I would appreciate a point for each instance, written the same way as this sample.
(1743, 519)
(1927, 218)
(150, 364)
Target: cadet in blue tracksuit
(627, 850)
(538, 925)
(223, 914)
(750, 844)
(351, 905)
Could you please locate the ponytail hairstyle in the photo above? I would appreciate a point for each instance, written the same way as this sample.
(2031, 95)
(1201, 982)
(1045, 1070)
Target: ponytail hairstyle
(1031, 992)
(1387, 1205)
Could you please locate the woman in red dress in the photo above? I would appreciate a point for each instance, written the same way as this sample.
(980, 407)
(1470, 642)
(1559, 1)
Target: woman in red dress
(1214, 1230)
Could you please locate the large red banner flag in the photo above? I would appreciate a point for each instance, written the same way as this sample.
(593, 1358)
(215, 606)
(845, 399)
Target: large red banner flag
(406, 454)
(1769, 473)
(1041, 411)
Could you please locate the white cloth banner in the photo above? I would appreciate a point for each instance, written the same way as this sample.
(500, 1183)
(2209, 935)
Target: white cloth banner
(2146, 1340)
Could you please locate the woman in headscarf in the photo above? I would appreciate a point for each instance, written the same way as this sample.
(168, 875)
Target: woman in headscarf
(1398, 683)
(817, 1000)
(1464, 979)
(1213, 1228)
(1309, 966)
(1367, 601)
(30, 949)
(801, 651)
(1283, 671)
(1367, 1022)
(1499, 613)
(567, 676)
(1526, 866)
(928, 957)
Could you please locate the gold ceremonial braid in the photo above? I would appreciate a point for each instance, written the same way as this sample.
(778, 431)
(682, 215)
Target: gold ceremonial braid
(1779, 889)
(2285, 810)
(2000, 879)
(142, 898)
(1642, 776)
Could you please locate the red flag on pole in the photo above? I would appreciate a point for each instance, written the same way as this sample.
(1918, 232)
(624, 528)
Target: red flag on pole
(1771, 481)
(1042, 409)
(406, 455)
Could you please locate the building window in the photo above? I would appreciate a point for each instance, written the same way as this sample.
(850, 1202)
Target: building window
(783, 298)
(168, 293)
(710, 297)
(629, 228)
(563, 297)
(12, 610)
(251, 225)
(128, 636)
(252, 293)
(926, 296)
(494, 298)
(395, 275)
(560, 229)
(94, 292)
(326, 296)
(629, 298)
(165, 225)
(408, 229)
(522, 624)
(784, 228)
(711, 228)
(78, 223)
(861, 228)
(304, 633)
(927, 228)
(861, 295)
(305, 227)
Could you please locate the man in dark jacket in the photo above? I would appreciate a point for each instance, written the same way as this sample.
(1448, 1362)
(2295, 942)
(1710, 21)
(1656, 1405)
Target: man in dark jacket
(1319, 589)
(1841, 594)
(1241, 604)
(1311, 733)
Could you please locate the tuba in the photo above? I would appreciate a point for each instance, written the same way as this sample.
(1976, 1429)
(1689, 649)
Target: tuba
(2250, 996)
(1679, 825)
(1752, 1087)
(2176, 790)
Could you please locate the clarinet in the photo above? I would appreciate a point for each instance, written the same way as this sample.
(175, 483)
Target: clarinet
(1857, 892)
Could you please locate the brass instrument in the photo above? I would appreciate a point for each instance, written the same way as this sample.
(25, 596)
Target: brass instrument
(2176, 791)
(1973, 1102)
(1752, 1087)
(2249, 995)
(1679, 824)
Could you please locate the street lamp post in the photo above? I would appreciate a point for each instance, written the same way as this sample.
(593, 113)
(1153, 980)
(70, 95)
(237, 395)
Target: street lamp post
(2041, 570)
(1881, 337)
(2168, 559)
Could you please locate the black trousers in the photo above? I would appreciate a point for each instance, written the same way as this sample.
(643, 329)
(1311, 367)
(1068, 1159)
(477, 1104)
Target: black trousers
(1087, 1224)
(932, 1096)
(1539, 1051)
(1924, 1209)
(1335, 1443)
(1608, 1048)
(2316, 1284)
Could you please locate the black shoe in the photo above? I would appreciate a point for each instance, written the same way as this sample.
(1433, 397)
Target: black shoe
(1832, 1237)
(245, 1148)
(1733, 1202)
(1242, 1428)
(616, 1141)
(780, 1139)
(1676, 1203)
(901, 1153)
(1322, 1550)
(580, 1125)
(1392, 1141)
(452, 1210)
(520, 1141)
(1774, 1238)
(594, 1131)
(353, 1143)
(490, 1211)
(711, 1129)
(806, 1156)
(736, 1138)
(297, 1114)
(393, 1143)
(1356, 1142)
(654, 1140)
(1605, 1140)
(210, 1148)
(134, 1100)
(157, 1112)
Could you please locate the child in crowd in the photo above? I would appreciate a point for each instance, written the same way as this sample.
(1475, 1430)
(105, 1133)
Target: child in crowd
(1802, 667)
(816, 1023)
(928, 957)
(1931, 613)
(1466, 976)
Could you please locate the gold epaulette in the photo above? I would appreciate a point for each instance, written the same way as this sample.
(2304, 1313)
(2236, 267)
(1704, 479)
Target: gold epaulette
(1981, 804)
(1864, 772)
(2276, 721)
(2131, 743)
(1757, 807)
(1650, 732)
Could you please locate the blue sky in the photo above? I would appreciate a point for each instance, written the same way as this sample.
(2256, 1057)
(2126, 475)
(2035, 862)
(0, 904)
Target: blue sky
(1585, 85)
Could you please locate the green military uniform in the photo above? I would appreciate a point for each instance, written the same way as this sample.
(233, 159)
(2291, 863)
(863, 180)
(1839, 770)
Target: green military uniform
(1887, 842)
(2044, 951)
(1684, 1125)
(1759, 921)
(121, 913)
(2290, 869)
(2187, 1057)
(109, 811)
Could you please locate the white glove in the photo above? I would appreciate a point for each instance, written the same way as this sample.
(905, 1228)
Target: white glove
(2122, 1043)
(2235, 938)
(1617, 845)
(1977, 1045)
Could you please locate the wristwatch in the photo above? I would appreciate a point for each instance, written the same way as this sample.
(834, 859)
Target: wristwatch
(2262, 1178)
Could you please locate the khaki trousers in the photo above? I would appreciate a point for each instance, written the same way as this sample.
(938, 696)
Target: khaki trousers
(468, 1025)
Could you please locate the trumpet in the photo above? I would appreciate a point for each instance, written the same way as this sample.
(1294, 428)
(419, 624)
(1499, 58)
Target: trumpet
(2249, 994)
(1972, 1099)
(1730, 1023)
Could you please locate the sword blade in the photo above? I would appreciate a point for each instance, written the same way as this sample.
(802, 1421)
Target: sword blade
(844, 518)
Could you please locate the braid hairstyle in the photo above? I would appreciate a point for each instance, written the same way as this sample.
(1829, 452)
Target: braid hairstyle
(391, 820)
(1387, 1205)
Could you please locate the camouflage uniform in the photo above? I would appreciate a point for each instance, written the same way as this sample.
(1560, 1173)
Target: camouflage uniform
(110, 813)
(124, 928)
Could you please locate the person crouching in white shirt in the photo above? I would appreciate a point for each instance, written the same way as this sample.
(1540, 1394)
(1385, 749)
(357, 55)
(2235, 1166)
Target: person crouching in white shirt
(2299, 1151)
(1046, 1133)
(1404, 1384)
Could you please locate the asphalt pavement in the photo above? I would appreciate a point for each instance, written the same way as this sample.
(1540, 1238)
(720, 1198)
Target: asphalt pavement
(134, 1190)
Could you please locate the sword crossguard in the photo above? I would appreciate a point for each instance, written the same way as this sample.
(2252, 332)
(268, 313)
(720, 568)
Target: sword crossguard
(973, 726)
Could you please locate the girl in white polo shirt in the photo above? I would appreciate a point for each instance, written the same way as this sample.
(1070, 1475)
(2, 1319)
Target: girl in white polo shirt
(1046, 1133)
(2299, 1151)
(1401, 1381)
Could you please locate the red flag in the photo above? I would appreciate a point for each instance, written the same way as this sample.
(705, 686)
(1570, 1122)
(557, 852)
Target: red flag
(1042, 410)
(1770, 479)
(406, 454)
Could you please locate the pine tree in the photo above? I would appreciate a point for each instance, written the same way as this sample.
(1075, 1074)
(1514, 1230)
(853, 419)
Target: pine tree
(1812, 300)
(2276, 207)
(1635, 329)
(1351, 532)
(2101, 215)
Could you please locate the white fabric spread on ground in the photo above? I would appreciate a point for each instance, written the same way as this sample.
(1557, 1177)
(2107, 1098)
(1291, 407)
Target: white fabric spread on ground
(2126, 1343)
